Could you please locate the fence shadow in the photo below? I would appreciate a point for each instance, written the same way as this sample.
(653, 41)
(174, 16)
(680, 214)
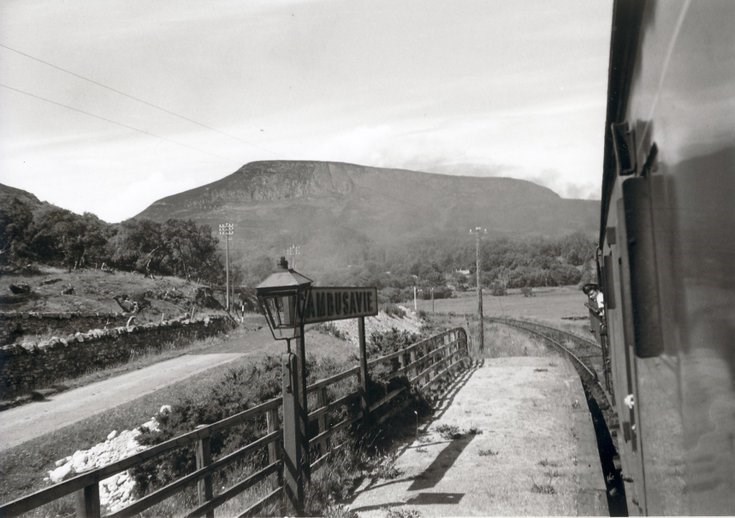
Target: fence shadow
(450, 452)
(446, 400)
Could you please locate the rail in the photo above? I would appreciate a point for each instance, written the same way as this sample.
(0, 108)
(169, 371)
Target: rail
(560, 334)
(588, 352)
(590, 371)
(423, 364)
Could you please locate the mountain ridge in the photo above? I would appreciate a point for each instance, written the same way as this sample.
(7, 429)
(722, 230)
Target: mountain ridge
(291, 174)
(341, 213)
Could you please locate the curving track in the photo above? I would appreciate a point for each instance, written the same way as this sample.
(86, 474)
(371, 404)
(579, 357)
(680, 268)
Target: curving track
(587, 358)
(585, 355)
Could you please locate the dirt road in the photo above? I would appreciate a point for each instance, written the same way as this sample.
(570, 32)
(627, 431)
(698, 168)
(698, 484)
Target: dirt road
(26, 422)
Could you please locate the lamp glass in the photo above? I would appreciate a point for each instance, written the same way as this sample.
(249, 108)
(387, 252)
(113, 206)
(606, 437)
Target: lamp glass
(282, 311)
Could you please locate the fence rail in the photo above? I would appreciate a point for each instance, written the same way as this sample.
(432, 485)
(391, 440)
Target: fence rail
(423, 364)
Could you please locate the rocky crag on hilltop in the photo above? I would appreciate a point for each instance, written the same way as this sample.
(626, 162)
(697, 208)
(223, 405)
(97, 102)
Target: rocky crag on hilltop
(341, 213)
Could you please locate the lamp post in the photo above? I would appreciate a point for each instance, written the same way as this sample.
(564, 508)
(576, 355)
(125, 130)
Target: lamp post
(282, 297)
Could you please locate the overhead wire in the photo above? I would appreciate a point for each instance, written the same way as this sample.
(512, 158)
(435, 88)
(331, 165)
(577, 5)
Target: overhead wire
(133, 97)
(111, 121)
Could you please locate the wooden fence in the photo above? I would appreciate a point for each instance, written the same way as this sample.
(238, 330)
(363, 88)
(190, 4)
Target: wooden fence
(422, 364)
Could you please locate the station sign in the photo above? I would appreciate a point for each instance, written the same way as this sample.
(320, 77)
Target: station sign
(329, 303)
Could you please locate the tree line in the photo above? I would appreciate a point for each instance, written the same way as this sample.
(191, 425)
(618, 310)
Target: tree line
(444, 265)
(50, 235)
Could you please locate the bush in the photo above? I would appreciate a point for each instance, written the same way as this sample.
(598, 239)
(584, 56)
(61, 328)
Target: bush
(498, 289)
(381, 344)
(440, 292)
(237, 390)
(330, 329)
(394, 310)
(390, 295)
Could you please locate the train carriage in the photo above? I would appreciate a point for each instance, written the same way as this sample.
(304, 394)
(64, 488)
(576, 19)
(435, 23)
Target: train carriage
(667, 252)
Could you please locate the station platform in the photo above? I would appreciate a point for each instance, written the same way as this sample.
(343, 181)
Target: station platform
(513, 438)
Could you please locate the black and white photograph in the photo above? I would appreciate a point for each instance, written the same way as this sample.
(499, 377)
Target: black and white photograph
(367, 259)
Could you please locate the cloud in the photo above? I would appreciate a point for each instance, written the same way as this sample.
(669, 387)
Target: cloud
(475, 87)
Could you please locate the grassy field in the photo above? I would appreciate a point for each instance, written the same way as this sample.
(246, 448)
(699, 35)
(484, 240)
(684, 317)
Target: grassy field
(547, 304)
(560, 307)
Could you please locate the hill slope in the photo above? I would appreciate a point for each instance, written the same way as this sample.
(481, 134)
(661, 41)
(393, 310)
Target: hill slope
(8, 193)
(337, 211)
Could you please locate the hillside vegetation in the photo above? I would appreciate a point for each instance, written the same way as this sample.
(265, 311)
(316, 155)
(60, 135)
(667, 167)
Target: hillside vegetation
(443, 269)
(32, 231)
(55, 290)
(346, 214)
(354, 225)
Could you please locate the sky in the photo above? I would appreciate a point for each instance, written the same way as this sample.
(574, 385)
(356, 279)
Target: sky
(109, 105)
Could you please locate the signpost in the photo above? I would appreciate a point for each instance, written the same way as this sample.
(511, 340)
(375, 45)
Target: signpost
(326, 304)
(289, 302)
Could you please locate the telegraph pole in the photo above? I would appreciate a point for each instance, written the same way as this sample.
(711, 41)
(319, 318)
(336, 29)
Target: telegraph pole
(478, 231)
(227, 230)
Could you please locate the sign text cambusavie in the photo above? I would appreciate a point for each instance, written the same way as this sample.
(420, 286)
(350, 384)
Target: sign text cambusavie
(327, 303)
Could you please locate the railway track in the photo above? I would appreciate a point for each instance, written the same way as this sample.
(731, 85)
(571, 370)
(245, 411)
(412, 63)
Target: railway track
(587, 358)
(585, 355)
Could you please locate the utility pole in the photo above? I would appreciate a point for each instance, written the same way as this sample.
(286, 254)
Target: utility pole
(478, 231)
(227, 230)
(292, 251)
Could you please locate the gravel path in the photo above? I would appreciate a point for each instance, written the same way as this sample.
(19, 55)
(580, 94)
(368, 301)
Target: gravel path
(515, 439)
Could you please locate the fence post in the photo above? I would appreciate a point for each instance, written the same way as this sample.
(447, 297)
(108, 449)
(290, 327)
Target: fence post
(274, 451)
(88, 501)
(321, 398)
(271, 421)
(429, 361)
(204, 486)
(454, 350)
(464, 342)
(293, 451)
(412, 357)
(364, 380)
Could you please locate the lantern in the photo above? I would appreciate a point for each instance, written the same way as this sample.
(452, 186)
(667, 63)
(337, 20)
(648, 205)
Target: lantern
(282, 298)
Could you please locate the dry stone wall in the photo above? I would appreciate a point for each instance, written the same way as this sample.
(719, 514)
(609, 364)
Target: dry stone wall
(16, 325)
(24, 368)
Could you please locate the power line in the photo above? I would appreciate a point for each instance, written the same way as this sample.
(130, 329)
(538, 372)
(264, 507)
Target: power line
(133, 97)
(121, 124)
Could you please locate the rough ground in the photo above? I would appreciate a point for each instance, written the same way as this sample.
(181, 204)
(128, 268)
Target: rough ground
(515, 438)
(381, 323)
